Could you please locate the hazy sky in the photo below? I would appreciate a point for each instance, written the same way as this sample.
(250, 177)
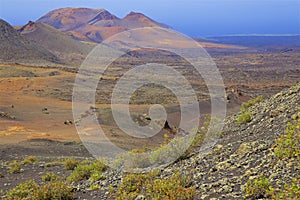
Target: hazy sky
(192, 17)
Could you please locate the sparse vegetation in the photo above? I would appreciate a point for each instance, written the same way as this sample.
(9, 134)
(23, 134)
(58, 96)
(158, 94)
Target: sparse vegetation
(260, 188)
(14, 167)
(176, 148)
(1, 175)
(86, 171)
(288, 145)
(96, 176)
(290, 191)
(29, 160)
(70, 163)
(94, 187)
(244, 117)
(175, 187)
(54, 163)
(197, 142)
(251, 102)
(55, 190)
(23, 191)
(257, 188)
(50, 176)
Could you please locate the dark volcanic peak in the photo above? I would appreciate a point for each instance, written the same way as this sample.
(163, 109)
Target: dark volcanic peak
(15, 48)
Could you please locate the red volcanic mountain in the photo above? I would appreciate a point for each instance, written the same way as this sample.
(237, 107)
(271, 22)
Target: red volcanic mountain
(94, 24)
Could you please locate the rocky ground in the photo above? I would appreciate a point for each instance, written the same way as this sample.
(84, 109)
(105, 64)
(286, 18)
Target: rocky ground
(244, 151)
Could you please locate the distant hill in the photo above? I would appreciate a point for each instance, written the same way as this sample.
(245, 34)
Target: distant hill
(16, 48)
(60, 44)
(94, 24)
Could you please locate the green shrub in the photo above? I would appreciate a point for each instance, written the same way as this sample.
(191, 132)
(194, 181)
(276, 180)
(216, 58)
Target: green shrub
(29, 160)
(251, 102)
(174, 187)
(54, 190)
(25, 190)
(14, 167)
(70, 164)
(84, 172)
(257, 188)
(50, 176)
(291, 191)
(96, 176)
(1, 175)
(54, 163)
(94, 187)
(32, 191)
(81, 172)
(288, 145)
(260, 188)
(133, 184)
(244, 117)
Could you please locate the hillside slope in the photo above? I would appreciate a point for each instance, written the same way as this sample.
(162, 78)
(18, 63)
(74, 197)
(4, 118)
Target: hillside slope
(15, 48)
(244, 152)
(55, 41)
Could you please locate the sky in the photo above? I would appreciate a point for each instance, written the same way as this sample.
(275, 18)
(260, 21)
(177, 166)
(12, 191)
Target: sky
(190, 17)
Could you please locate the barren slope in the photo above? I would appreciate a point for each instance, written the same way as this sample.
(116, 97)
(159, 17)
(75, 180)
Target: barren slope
(15, 48)
(60, 44)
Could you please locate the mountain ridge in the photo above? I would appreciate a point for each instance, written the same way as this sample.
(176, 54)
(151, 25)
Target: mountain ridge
(94, 25)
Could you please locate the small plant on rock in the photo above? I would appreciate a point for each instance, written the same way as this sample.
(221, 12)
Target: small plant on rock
(84, 172)
(14, 167)
(149, 186)
(257, 188)
(31, 190)
(70, 164)
(29, 160)
(291, 191)
(50, 176)
(244, 117)
(251, 102)
(288, 145)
